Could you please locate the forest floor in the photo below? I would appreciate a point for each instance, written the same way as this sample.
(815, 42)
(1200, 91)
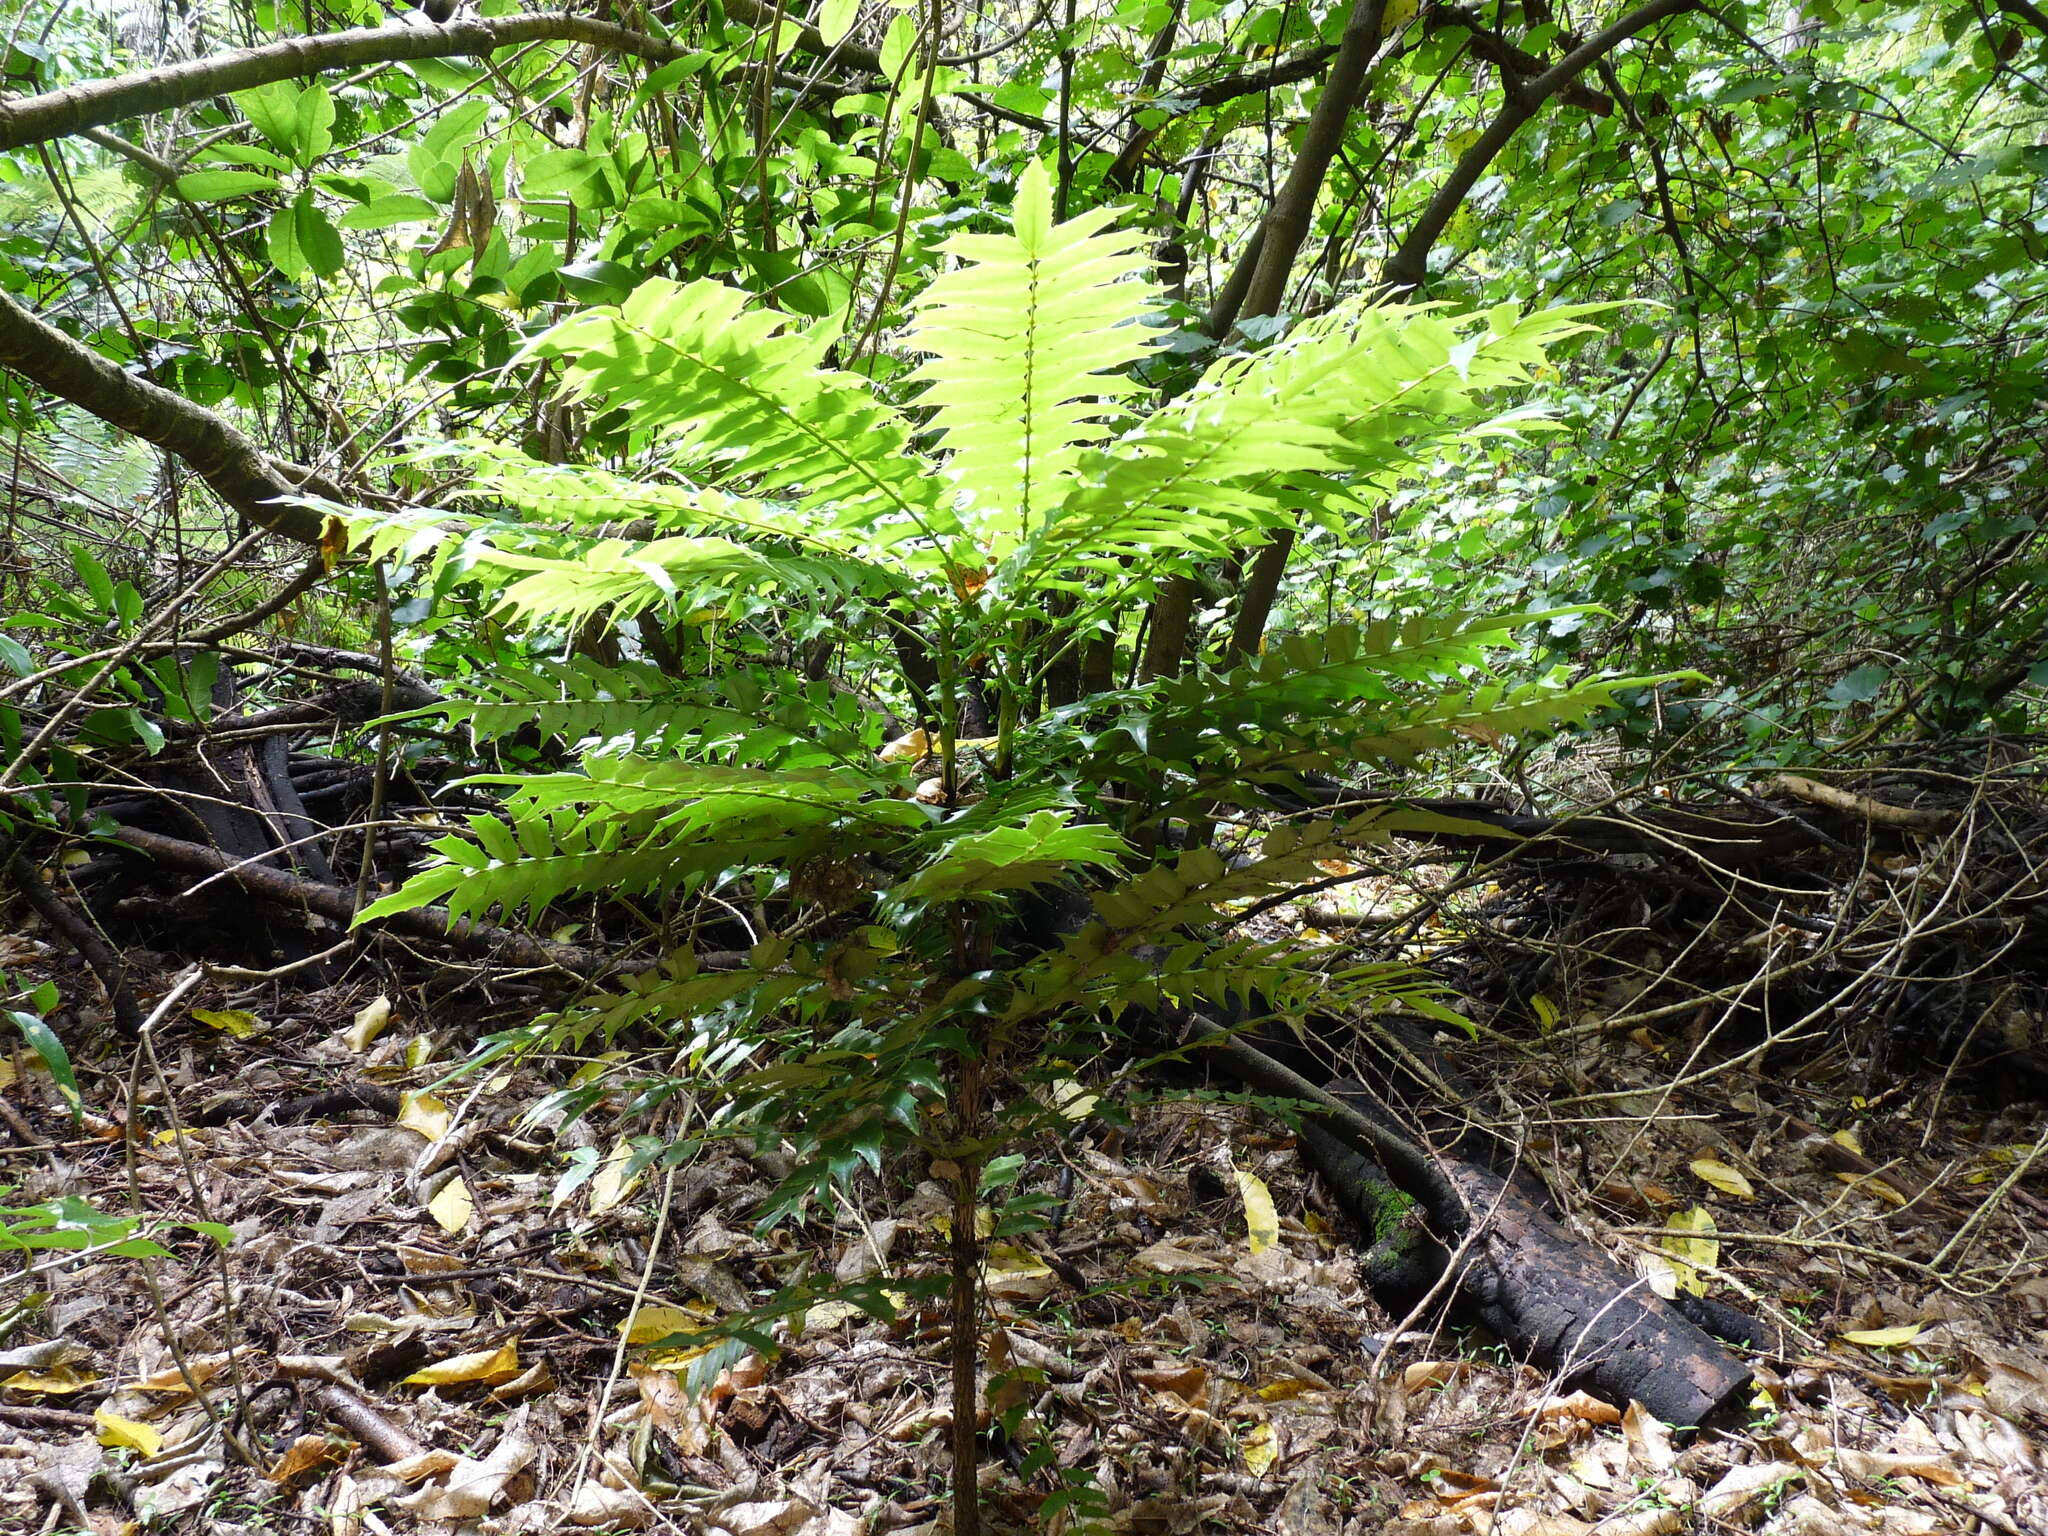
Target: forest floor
(418, 1327)
(445, 1307)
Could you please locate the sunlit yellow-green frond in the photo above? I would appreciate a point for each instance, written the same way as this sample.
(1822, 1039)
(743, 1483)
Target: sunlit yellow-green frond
(1030, 341)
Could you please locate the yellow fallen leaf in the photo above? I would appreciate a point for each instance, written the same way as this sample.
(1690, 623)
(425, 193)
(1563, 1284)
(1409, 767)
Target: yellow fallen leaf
(425, 1113)
(202, 1368)
(610, 1185)
(1260, 1450)
(1849, 1139)
(452, 1207)
(419, 1050)
(829, 1314)
(238, 1022)
(1724, 1178)
(1691, 1247)
(1659, 1274)
(115, 1430)
(57, 1381)
(370, 1022)
(1883, 1338)
(652, 1324)
(1186, 1380)
(1871, 1184)
(907, 748)
(493, 1367)
(1286, 1389)
(1262, 1222)
(1072, 1100)
(1015, 1273)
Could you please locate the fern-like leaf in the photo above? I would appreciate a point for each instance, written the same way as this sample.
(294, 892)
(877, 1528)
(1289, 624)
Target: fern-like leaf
(1030, 342)
(747, 400)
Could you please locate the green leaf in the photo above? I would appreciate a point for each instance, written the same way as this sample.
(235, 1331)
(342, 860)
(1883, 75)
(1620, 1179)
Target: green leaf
(394, 208)
(286, 252)
(301, 238)
(983, 864)
(97, 582)
(898, 45)
(44, 1042)
(1858, 687)
(313, 128)
(248, 154)
(274, 110)
(560, 173)
(1032, 341)
(836, 19)
(218, 186)
(318, 238)
(437, 159)
(598, 282)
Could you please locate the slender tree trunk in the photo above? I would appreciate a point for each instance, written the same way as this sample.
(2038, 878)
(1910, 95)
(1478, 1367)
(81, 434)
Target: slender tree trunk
(1258, 284)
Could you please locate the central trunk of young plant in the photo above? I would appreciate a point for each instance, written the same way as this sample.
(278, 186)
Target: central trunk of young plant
(965, 1319)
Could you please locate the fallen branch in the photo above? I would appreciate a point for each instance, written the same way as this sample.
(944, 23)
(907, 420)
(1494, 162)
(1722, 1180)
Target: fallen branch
(1547, 1294)
(1879, 814)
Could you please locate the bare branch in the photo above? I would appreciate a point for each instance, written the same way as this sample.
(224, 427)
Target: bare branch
(95, 104)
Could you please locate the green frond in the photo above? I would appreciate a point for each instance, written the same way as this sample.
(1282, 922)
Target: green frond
(630, 827)
(1300, 675)
(1353, 394)
(1043, 848)
(1030, 339)
(686, 799)
(621, 578)
(527, 866)
(1490, 713)
(764, 716)
(747, 401)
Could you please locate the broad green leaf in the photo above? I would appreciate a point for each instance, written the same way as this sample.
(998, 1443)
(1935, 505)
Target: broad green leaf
(313, 127)
(218, 186)
(394, 208)
(437, 159)
(836, 19)
(274, 110)
(44, 1042)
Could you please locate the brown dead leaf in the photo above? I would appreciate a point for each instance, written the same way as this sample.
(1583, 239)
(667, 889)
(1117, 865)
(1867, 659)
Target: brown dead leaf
(1873, 1465)
(306, 1453)
(203, 1369)
(619, 1508)
(686, 1422)
(1649, 1441)
(1177, 1256)
(765, 1517)
(1746, 1486)
(1579, 1405)
(472, 1487)
(1189, 1382)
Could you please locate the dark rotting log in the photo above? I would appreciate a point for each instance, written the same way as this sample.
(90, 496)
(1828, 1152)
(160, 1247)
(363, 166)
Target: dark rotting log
(376, 1100)
(506, 945)
(1546, 1294)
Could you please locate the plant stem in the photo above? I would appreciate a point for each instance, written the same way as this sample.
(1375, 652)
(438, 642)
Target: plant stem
(965, 1321)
